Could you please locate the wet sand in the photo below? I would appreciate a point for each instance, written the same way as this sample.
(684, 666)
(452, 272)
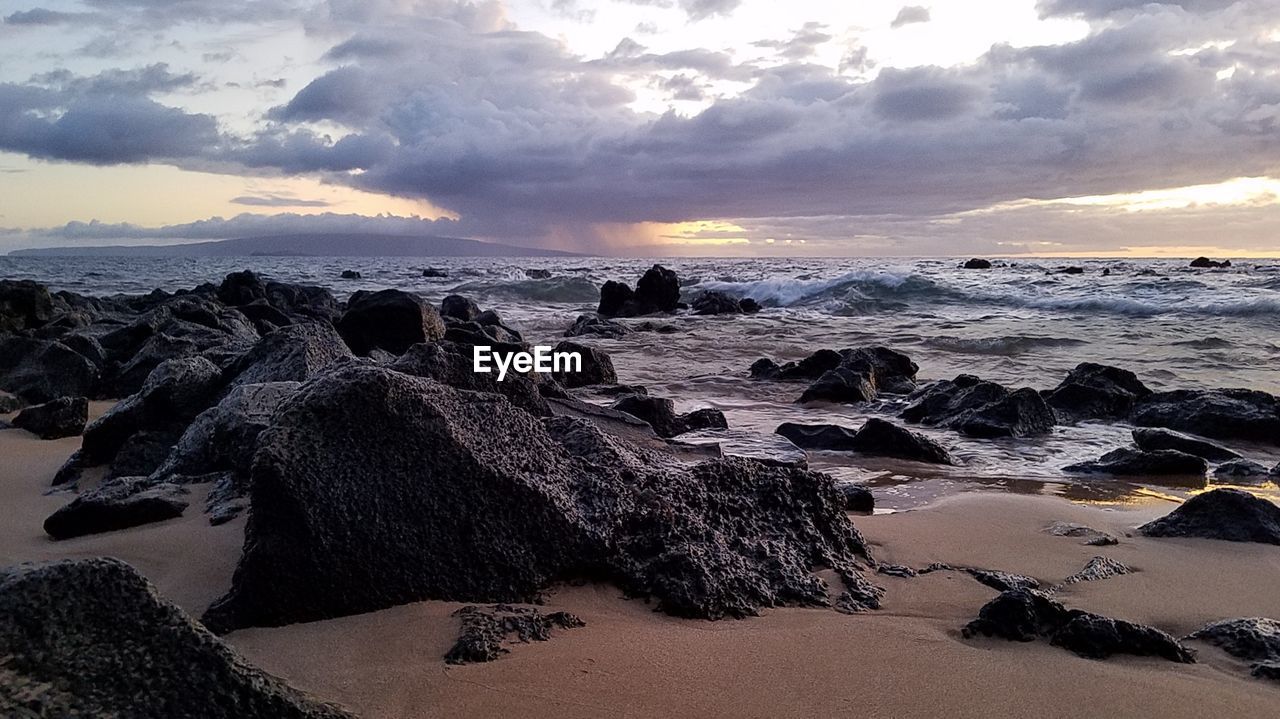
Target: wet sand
(907, 660)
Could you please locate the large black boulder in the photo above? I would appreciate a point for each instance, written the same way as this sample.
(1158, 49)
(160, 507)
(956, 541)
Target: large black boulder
(1130, 462)
(1095, 391)
(715, 303)
(373, 488)
(1227, 414)
(616, 298)
(657, 291)
(241, 288)
(459, 308)
(116, 504)
(1254, 639)
(818, 436)
(977, 263)
(597, 326)
(289, 354)
(660, 413)
(886, 439)
(1027, 614)
(597, 367)
(849, 375)
(1202, 263)
(43, 370)
(1230, 514)
(391, 320)
(24, 305)
(452, 364)
(982, 409)
(63, 417)
(93, 638)
(1155, 439)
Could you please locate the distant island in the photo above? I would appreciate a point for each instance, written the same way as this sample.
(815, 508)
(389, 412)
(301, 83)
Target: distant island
(309, 245)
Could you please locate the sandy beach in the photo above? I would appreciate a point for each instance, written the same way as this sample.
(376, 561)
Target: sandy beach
(905, 660)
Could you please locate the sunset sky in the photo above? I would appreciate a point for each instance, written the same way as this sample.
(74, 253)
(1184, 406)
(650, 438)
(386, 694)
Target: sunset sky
(724, 127)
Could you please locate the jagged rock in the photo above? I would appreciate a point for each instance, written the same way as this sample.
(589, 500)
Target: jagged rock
(42, 370)
(841, 384)
(849, 375)
(223, 437)
(981, 409)
(1201, 263)
(93, 638)
(143, 453)
(977, 264)
(715, 303)
(1092, 537)
(766, 448)
(88, 347)
(1098, 568)
(450, 363)
(10, 403)
(811, 367)
(392, 320)
(24, 305)
(1137, 463)
(1244, 471)
(1255, 640)
(660, 413)
(1230, 514)
(303, 303)
(1002, 581)
(486, 630)
(463, 498)
(1220, 414)
(1026, 614)
(290, 354)
(350, 275)
(818, 436)
(857, 498)
(597, 367)
(598, 326)
(1095, 391)
(1155, 439)
(241, 288)
(886, 439)
(657, 291)
(117, 504)
(897, 570)
(63, 417)
(459, 308)
(265, 318)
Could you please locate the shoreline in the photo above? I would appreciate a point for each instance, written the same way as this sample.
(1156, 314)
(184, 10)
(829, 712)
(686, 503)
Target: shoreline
(906, 659)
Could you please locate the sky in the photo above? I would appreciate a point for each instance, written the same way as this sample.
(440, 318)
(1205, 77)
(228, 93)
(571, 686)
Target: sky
(651, 127)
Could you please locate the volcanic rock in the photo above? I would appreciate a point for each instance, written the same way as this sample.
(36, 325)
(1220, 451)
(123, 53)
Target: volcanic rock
(977, 264)
(63, 417)
(1094, 391)
(42, 371)
(1225, 414)
(92, 638)
(1138, 463)
(117, 504)
(597, 367)
(660, 413)
(818, 436)
(392, 320)
(1230, 514)
(1154, 439)
(886, 439)
(485, 630)
(1255, 640)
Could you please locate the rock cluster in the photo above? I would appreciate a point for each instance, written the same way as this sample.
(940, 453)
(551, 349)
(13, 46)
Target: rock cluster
(1255, 640)
(657, 291)
(982, 409)
(877, 437)
(660, 413)
(63, 417)
(848, 375)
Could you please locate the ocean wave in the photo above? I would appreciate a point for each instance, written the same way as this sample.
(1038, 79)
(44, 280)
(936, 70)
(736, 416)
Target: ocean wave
(567, 290)
(1005, 346)
(1208, 343)
(856, 285)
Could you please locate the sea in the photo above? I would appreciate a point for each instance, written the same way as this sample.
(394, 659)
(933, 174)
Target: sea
(1023, 323)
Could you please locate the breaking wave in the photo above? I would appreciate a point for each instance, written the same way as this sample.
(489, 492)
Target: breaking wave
(568, 290)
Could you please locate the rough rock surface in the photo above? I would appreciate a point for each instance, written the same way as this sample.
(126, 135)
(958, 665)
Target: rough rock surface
(1002, 581)
(391, 320)
(10, 403)
(1095, 391)
(1098, 568)
(1026, 614)
(886, 439)
(597, 367)
(63, 417)
(857, 498)
(451, 363)
(24, 305)
(1255, 640)
(92, 638)
(486, 630)
(290, 354)
(1150, 439)
(1126, 461)
(117, 504)
(660, 413)
(981, 409)
(1224, 414)
(1092, 537)
(719, 303)
(1242, 471)
(42, 370)
(597, 326)
(848, 375)
(459, 308)
(1230, 514)
(374, 488)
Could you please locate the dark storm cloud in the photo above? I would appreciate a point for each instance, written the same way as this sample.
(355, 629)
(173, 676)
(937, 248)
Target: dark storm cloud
(44, 16)
(525, 140)
(247, 225)
(910, 14)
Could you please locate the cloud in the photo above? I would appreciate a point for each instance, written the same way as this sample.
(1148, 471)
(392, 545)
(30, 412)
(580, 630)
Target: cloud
(43, 16)
(272, 200)
(244, 225)
(695, 9)
(909, 15)
(802, 44)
